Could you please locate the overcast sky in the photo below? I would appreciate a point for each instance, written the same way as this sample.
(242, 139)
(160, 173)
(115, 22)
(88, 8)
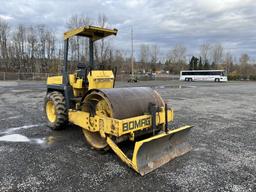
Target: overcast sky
(162, 22)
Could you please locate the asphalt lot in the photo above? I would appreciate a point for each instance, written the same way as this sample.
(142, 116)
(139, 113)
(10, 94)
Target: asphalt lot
(34, 158)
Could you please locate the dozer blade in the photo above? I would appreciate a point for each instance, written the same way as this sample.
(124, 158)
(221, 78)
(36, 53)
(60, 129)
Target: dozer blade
(153, 152)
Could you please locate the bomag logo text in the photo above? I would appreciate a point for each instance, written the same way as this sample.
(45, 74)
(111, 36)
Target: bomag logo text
(136, 124)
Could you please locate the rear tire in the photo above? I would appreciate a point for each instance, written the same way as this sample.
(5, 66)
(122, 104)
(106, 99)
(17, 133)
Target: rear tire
(217, 80)
(55, 110)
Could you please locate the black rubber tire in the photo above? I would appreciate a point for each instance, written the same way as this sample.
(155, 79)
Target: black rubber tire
(61, 112)
(217, 80)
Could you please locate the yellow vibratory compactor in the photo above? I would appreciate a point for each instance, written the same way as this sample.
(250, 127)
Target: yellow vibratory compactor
(108, 115)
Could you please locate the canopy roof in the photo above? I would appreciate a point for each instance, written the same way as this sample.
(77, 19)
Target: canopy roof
(95, 33)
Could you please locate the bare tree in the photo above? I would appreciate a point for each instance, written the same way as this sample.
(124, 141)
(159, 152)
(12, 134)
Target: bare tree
(217, 54)
(145, 56)
(102, 48)
(119, 60)
(228, 62)
(42, 40)
(245, 68)
(79, 46)
(204, 52)
(178, 54)
(84, 43)
(244, 59)
(4, 30)
(34, 48)
(176, 59)
(19, 40)
(73, 22)
(32, 41)
(144, 53)
(154, 53)
(50, 44)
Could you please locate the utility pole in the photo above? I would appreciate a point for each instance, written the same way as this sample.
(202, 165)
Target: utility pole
(132, 79)
(132, 62)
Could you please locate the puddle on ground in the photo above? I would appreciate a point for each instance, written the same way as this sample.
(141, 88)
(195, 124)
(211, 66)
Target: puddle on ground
(21, 138)
(14, 138)
(9, 136)
(173, 86)
(18, 138)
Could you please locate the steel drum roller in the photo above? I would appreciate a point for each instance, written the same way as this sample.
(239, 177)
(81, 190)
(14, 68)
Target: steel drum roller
(118, 103)
(126, 102)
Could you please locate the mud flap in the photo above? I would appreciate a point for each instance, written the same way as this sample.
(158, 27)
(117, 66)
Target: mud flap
(153, 152)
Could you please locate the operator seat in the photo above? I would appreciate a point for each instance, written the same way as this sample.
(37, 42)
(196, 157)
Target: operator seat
(82, 71)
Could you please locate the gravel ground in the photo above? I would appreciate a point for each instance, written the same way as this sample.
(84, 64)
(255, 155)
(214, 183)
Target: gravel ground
(34, 158)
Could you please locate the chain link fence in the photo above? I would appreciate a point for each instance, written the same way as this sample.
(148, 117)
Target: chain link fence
(7, 76)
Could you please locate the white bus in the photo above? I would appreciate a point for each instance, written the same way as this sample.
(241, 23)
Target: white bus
(203, 75)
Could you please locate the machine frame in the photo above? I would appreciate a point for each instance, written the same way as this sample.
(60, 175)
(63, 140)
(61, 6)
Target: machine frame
(63, 83)
(68, 92)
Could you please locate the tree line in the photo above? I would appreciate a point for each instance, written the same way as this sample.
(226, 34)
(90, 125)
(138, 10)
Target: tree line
(37, 49)
(211, 56)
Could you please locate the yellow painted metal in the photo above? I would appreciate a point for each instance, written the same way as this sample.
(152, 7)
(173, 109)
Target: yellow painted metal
(72, 79)
(103, 109)
(141, 122)
(93, 126)
(93, 32)
(57, 80)
(97, 80)
(133, 162)
(102, 130)
(78, 88)
(54, 80)
(77, 84)
(115, 127)
(121, 154)
(95, 139)
(100, 79)
(140, 143)
(158, 150)
(51, 111)
(79, 118)
(74, 82)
